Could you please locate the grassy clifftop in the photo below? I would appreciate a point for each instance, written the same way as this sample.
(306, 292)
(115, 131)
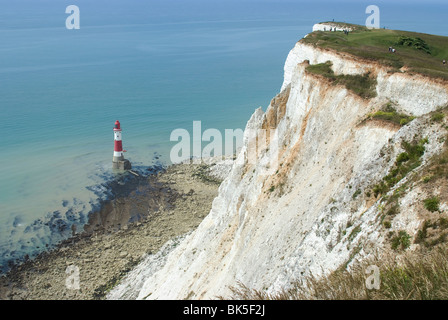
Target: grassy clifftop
(418, 52)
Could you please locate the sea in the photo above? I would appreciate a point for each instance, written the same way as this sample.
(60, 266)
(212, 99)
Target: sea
(156, 66)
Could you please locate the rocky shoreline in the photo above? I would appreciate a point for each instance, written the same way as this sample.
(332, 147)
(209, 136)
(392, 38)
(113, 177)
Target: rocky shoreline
(168, 205)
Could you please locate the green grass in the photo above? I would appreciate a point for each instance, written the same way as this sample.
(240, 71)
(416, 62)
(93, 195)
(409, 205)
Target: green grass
(439, 168)
(419, 276)
(437, 117)
(363, 85)
(421, 53)
(438, 233)
(323, 69)
(422, 234)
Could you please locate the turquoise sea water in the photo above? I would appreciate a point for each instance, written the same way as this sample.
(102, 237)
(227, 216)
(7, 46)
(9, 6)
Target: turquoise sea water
(154, 65)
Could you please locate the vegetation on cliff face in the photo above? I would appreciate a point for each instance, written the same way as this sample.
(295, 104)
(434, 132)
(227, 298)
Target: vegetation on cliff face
(405, 163)
(419, 53)
(389, 114)
(404, 274)
(363, 85)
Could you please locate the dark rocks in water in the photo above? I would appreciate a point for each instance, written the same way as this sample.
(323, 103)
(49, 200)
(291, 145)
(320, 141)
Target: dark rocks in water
(56, 214)
(70, 215)
(17, 221)
(59, 226)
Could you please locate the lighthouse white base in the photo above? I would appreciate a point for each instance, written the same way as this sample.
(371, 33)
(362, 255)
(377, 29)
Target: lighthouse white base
(121, 164)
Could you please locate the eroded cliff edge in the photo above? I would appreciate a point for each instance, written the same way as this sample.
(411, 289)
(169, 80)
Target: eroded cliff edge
(318, 210)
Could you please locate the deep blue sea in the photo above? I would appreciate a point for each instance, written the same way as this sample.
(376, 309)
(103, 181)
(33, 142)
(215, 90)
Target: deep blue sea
(156, 66)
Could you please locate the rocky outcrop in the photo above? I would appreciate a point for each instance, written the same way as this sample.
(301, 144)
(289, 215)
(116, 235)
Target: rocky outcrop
(302, 209)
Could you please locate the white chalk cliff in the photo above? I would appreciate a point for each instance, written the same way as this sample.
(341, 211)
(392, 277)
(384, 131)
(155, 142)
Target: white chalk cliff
(268, 228)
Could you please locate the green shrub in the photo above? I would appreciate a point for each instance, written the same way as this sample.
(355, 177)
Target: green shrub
(415, 150)
(423, 233)
(443, 223)
(432, 204)
(356, 194)
(393, 210)
(437, 236)
(402, 240)
(402, 157)
(440, 239)
(416, 43)
(380, 188)
(354, 232)
(391, 115)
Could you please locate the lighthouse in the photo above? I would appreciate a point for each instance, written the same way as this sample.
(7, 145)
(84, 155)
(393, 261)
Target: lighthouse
(118, 161)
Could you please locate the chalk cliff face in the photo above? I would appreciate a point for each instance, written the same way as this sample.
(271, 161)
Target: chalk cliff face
(268, 228)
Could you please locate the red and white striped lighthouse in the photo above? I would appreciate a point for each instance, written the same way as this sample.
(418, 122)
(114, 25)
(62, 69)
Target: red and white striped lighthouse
(118, 161)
